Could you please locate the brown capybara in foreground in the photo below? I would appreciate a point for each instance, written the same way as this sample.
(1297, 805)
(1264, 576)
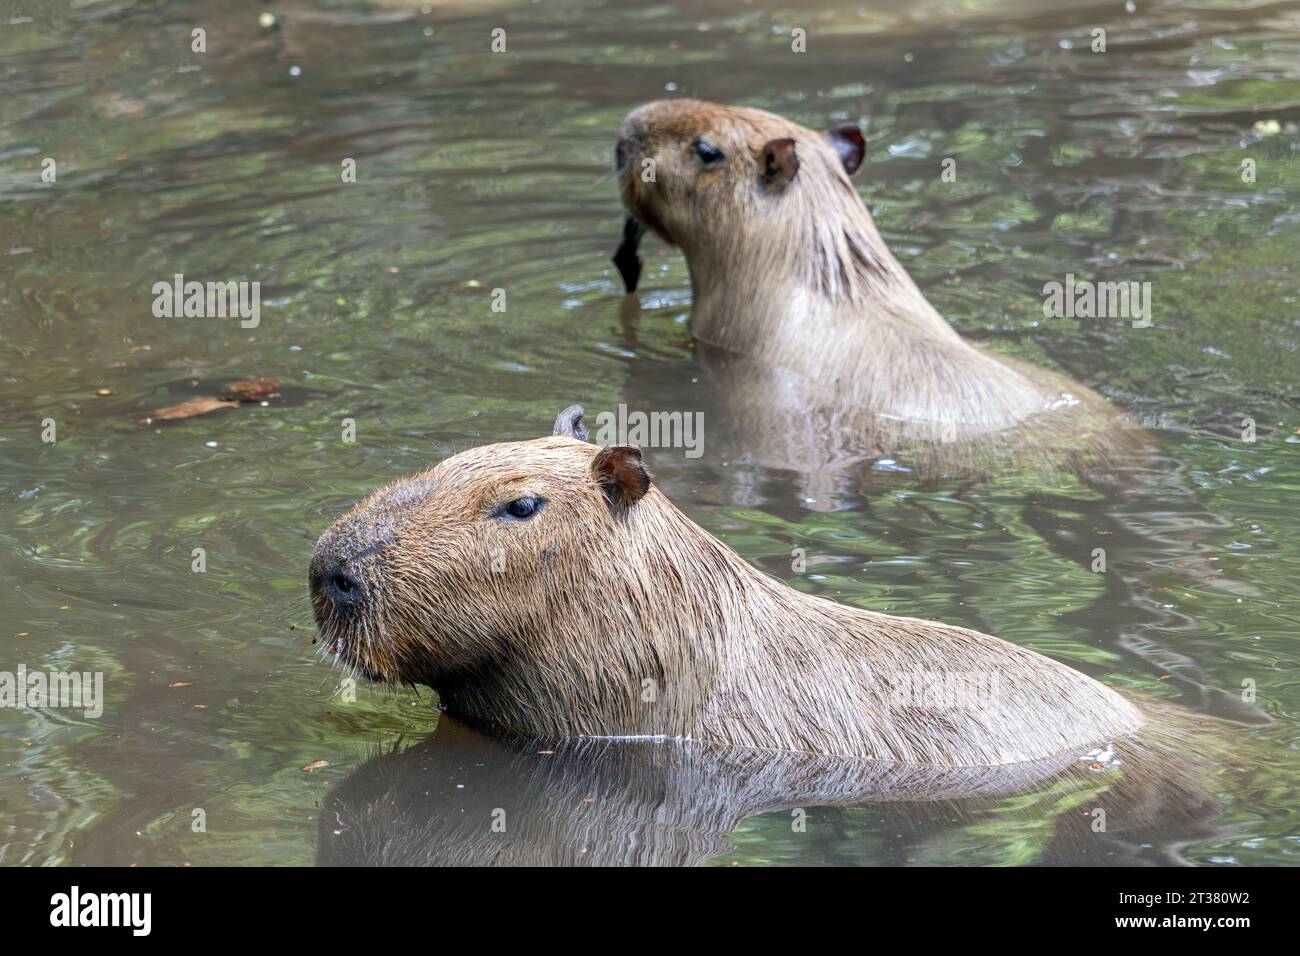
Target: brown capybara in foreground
(547, 588)
(817, 332)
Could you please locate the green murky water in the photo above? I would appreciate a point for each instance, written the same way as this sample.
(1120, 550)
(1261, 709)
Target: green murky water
(478, 171)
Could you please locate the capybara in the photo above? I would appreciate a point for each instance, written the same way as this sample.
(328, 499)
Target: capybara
(829, 352)
(546, 587)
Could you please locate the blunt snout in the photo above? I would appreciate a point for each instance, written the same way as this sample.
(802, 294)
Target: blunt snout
(630, 141)
(341, 586)
(346, 568)
(632, 133)
(348, 564)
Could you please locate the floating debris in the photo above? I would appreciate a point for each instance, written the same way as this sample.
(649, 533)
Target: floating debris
(256, 389)
(188, 409)
(259, 388)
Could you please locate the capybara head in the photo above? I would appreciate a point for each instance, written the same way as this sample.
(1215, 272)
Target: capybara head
(471, 568)
(698, 173)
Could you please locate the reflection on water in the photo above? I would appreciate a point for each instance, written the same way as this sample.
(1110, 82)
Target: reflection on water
(462, 798)
(479, 171)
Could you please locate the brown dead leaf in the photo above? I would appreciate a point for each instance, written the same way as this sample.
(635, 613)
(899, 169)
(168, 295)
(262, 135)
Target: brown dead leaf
(254, 389)
(195, 406)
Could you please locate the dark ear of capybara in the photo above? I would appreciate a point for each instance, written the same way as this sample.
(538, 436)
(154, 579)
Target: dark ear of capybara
(621, 475)
(848, 142)
(780, 163)
(569, 423)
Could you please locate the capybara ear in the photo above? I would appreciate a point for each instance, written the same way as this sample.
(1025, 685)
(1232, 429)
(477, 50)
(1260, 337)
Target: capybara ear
(569, 423)
(780, 164)
(621, 475)
(848, 142)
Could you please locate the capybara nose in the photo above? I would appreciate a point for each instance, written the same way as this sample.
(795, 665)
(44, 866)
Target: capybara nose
(622, 152)
(631, 138)
(342, 586)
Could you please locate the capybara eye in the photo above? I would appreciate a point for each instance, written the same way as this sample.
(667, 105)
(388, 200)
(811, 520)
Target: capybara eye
(521, 509)
(708, 153)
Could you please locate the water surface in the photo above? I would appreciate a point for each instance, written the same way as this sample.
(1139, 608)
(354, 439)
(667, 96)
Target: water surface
(479, 171)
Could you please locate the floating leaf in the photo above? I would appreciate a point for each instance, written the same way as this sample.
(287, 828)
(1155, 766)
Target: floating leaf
(195, 406)
(254, 389)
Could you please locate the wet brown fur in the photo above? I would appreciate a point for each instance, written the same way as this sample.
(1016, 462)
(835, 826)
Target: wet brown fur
(812, 315)
(553, 626)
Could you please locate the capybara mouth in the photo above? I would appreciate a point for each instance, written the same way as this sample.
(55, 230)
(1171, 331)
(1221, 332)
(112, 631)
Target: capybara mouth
(348, 635)
(640, 209)
(337, 644)
(352, 650)
(348, 587)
